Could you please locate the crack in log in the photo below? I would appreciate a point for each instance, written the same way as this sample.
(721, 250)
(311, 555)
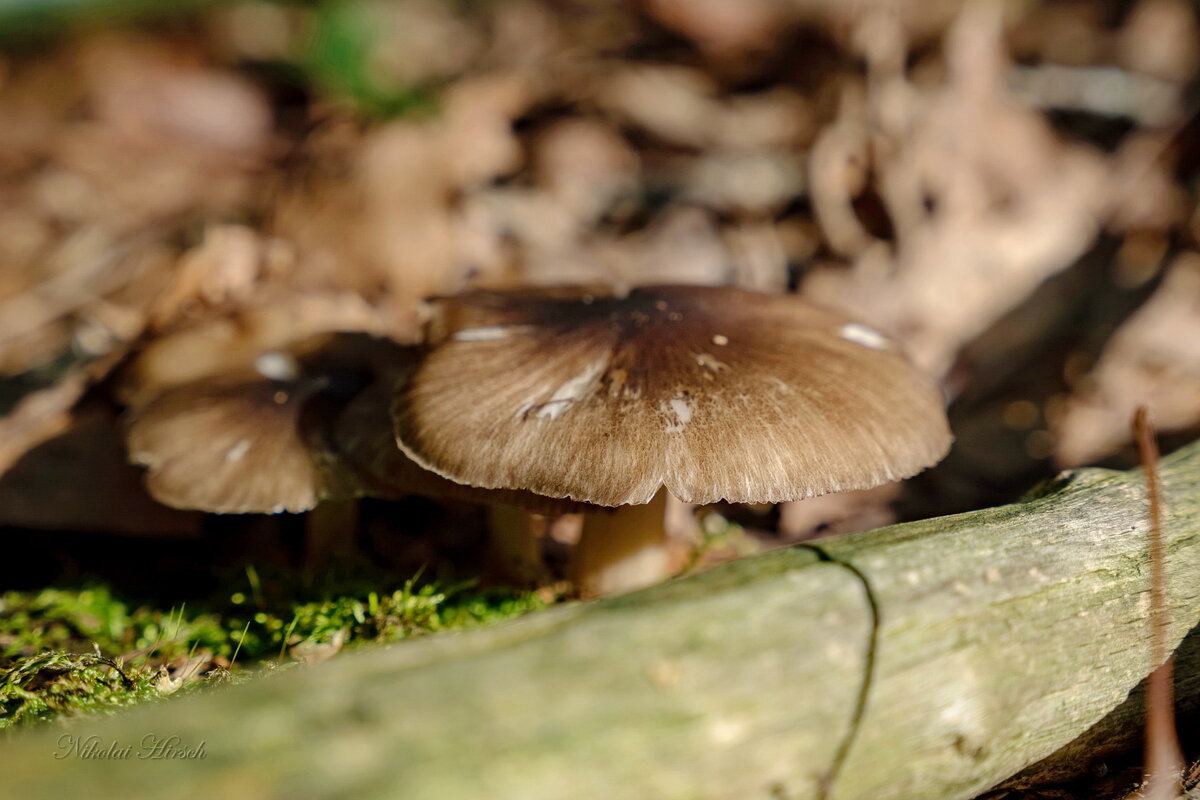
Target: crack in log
(825, 787)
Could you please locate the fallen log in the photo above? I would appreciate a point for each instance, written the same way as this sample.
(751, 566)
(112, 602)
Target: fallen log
(925, 660)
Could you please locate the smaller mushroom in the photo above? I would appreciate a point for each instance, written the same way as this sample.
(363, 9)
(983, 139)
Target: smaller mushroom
(707, 393)
(309, 430)
(235, 447)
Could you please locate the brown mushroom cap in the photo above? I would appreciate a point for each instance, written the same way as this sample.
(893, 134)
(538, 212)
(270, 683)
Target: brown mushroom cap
(714, 393)
(363, 438)
(234, 446)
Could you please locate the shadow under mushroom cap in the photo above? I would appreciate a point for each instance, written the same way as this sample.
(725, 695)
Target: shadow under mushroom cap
(714, 393)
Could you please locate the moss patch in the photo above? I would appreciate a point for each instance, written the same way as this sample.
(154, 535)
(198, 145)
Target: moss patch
(70, 651)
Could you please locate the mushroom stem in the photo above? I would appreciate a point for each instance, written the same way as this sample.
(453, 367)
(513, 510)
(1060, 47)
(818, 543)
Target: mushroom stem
(516, 545)
(624, 549)
(329, 533)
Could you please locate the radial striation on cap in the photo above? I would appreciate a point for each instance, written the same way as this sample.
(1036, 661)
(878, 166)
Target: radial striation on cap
(714, 393)
(363, 439)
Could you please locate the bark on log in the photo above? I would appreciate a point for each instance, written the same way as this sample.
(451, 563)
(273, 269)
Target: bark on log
(925, 660)
(1112, 748)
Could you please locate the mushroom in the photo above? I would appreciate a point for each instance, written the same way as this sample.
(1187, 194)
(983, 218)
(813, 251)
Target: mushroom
(709, 393)
(251, 440)
(308, 430)
(234, 447)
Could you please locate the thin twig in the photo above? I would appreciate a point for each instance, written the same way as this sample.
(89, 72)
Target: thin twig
(1164, 759)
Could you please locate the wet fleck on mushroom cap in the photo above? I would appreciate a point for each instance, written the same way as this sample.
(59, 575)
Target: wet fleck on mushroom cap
(714, 393)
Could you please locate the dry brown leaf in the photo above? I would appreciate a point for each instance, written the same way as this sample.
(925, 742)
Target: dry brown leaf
(221, 271)
(151, 92)
(313, 652)
(1159, 38)
(183, 671)
(39, 416)
(844, 512)
(724, 28)
(231, 344)
(584, 165)
(985, 200)
(1153, 360)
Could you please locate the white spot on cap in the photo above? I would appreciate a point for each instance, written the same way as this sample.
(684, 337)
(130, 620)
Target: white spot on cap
(709, 362)
(861, 334)
(681, 409)
(571, 391)
(490, 333)
(551, 409)
(277, 366)
(720, 340)
(237, 452)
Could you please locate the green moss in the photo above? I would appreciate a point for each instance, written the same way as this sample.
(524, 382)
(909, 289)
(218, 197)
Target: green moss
(52, 684)
(78, 651)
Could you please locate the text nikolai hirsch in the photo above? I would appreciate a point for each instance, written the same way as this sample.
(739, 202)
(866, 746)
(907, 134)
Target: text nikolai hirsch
(151, 747)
